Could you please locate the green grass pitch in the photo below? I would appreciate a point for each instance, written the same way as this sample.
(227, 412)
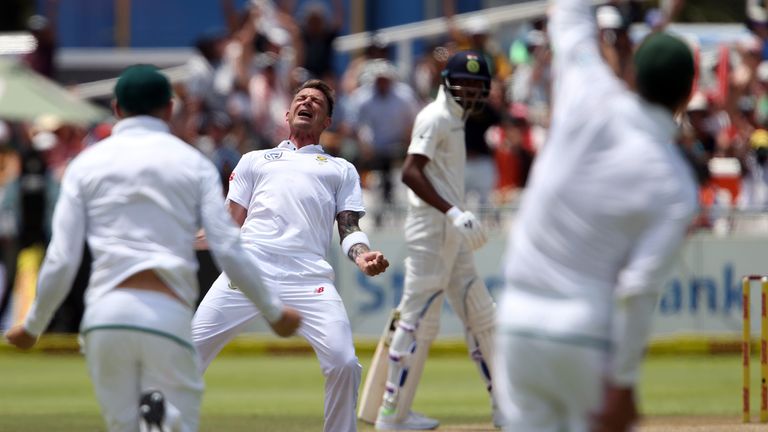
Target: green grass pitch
(48, 392)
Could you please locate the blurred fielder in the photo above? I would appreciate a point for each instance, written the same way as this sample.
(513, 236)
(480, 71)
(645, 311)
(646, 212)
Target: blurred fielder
(286, 200)
(139, 197)
(440, 238)
(603, 218)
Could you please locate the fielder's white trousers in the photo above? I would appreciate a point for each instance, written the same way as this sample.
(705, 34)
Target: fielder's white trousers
(225, 312)
(135, 341)
(546, 380)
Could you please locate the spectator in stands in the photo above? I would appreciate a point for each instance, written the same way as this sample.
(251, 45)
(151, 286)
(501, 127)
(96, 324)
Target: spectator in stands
(378, 48)
(426, 73)
(531, 80)
(270, 99)
(380, 116)
(698, 138)
(761, 94)
(476, 35)
(480, 174)
(513, 151)
(204, 69)
(319, 28)
(218, 145)
(10, 169)
(43, 58)
(615, 43)
(754, 183)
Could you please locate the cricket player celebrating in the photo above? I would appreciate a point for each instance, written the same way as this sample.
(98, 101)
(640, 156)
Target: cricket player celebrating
(604, 216)
(440, 238)
(286, 200)
(139, 198)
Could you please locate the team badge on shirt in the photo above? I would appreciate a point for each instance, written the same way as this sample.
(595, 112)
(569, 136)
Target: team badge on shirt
(273, 155)
(319, 290)
(321, 159)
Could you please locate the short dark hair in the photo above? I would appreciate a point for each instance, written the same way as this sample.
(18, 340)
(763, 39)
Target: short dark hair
(323, 87)
(664, 70)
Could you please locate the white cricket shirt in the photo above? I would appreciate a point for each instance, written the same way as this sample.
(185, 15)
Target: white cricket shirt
(139, 197)
(292, 197)
(610, 197)
(438, 133)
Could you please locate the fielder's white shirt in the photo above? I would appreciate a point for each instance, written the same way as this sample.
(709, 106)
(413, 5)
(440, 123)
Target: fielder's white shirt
(438, 133)
(292, 197)
(610, 197)
(139, 197)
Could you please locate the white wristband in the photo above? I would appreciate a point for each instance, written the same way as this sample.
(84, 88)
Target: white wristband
(454, 212)
(353, 239)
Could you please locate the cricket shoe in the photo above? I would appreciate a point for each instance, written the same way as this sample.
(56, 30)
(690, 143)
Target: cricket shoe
(151, 412)
(413, 421)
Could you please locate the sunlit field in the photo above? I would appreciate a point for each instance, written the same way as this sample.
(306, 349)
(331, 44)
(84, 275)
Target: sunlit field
(51, 392)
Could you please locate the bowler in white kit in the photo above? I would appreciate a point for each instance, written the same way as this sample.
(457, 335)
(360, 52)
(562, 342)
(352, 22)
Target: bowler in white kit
(601, 223)
(287, 199)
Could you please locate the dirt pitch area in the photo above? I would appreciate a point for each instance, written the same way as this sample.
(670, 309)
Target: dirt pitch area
(655, 424)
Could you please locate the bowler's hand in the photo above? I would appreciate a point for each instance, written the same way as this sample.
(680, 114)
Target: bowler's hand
(19, 337)
(371, 263)
(619, 412)
(288, 323)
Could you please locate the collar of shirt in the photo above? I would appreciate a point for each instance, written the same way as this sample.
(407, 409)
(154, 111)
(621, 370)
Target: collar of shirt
(312, 148)
(444, 97)
(140, 123)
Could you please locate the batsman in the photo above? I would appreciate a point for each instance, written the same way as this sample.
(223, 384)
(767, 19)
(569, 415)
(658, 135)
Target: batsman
(440, 237)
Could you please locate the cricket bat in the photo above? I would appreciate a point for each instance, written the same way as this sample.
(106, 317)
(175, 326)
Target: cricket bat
(376, 378)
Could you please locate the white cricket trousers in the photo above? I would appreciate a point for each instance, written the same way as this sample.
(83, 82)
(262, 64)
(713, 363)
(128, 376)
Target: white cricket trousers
(138, 340)
(225, 312)
(546, 380)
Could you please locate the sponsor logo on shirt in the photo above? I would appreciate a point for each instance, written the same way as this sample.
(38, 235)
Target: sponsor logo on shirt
(232, 176)
(321, 159)
(319, 290)
(273, 155)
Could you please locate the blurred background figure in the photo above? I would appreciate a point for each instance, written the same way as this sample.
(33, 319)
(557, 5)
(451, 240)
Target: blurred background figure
(319, 28)
(530, 84)
(512, 142)
(10, 168)
(43, 58)
(380, 116)
(754, 183)
(426, 73)
(615, 43)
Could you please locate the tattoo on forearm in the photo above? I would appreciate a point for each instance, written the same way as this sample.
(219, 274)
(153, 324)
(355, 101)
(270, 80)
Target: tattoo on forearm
(357, 250)
(348, 223)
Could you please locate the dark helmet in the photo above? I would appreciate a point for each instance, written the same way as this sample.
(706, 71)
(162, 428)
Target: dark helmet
(468, 65)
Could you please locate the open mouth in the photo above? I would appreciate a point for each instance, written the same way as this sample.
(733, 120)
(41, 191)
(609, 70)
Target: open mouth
(306, 114)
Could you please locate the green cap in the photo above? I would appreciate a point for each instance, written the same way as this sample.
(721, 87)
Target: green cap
(664, 70)
(141, 89)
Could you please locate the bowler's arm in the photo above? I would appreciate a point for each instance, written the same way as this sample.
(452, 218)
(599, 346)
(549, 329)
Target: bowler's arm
(356, 245)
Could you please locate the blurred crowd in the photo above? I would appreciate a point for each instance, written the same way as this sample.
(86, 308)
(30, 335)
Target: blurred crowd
(239, 84)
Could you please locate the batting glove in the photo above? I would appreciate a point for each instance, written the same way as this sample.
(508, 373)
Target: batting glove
(468, 226)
